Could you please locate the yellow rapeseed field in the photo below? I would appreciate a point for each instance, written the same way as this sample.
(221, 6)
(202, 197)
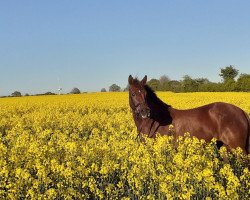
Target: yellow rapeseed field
(85, 147)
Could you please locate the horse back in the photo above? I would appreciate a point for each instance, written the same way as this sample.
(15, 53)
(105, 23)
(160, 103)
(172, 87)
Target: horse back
(223, 121)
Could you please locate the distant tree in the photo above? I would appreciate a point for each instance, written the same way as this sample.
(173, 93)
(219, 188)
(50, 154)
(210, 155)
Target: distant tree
(26, 94)
(228, 73)
(114, 88)
(165, 86)
(16, 94)
(201, 81)
(174, 86)
(202, 84)
(103, 90)
(209, 87)
(75, 91)
(163, 79)
(164, 83)
(48, 93)
(243, 83)
(229, 85)
(126, 88)
(189, 84)
(154, 84)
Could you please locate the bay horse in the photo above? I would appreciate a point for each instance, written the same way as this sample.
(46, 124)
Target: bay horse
(227, 123)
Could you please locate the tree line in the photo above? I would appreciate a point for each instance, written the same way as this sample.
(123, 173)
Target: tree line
(188, 84)
(19, 94)
(230, 83)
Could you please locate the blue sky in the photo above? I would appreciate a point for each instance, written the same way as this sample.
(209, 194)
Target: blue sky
(92, 44)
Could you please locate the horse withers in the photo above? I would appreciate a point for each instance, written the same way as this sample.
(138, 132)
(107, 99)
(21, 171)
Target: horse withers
(227, 123)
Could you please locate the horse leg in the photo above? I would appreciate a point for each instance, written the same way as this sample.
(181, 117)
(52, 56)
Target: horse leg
(233, 138)
(219, 144)
(230, 145)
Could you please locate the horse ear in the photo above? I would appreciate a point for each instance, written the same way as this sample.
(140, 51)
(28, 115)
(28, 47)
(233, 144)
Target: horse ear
(130, 80)
(144, 80)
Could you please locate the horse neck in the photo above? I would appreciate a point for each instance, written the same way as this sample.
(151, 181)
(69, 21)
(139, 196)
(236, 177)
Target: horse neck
(160, 112)
(143, 125)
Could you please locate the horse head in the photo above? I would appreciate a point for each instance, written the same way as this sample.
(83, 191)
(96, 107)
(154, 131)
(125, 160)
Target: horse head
(138, 97)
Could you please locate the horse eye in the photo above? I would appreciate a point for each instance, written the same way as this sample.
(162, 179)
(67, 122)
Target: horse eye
(133, 94)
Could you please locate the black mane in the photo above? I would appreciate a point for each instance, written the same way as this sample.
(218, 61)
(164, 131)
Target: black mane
(153, 97)
(159, 109)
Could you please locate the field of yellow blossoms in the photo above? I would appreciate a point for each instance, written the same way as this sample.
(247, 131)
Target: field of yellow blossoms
(85, 147)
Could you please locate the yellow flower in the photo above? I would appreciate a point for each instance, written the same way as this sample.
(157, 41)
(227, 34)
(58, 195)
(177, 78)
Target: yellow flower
(84, 147)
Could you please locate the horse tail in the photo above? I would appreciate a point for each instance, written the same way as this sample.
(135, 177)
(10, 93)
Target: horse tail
(248, 136)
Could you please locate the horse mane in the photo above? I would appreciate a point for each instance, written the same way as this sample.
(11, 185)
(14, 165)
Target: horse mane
(153, 97)
(160, 110)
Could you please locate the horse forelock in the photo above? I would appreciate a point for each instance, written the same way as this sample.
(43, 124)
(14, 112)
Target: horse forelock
(136, 82)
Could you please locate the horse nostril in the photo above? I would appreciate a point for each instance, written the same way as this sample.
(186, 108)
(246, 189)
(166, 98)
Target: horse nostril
(145, 113)
(148, 112)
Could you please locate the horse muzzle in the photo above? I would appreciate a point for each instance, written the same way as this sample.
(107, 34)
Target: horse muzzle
(144, 112)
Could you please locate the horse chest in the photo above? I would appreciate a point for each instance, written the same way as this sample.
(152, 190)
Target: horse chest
(150, 128)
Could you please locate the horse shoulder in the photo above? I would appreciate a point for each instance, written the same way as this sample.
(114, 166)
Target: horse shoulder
(196, 121)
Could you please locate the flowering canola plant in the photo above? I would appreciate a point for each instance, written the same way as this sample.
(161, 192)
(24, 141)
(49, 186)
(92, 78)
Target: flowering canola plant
(85, 147)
